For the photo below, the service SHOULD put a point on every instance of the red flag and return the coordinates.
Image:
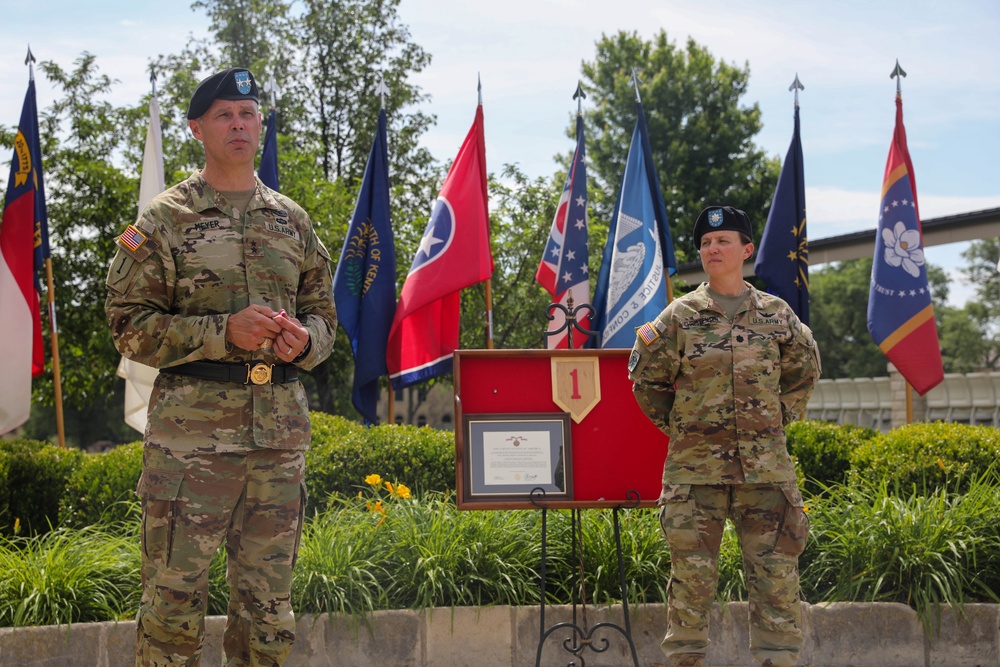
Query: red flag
(900, 313)
(454, 253)
(24, 246)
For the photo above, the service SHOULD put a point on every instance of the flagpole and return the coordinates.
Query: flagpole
(668, 283)
(50, 301)
(390, 418)
(489, 281)
(898, 73)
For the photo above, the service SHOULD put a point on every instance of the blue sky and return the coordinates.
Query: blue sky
(529, 52)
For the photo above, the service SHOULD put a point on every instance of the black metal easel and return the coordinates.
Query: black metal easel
(581, 636)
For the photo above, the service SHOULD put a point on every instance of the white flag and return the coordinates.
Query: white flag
(139, 377)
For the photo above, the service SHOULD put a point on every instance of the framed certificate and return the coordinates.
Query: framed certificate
(511, 456)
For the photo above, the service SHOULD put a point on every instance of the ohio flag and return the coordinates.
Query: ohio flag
(454, 253)
(563, 270)
(24, 247)
(900, 314)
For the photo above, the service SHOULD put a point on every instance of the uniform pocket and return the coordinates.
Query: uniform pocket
(158, 491)
(677, 518)
(794, 529)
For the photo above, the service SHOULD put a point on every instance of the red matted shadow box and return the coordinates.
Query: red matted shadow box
(579, 404)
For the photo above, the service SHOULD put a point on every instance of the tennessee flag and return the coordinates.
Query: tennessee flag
(454, 253)
(24, 247)
(900, 314)
(563, 270)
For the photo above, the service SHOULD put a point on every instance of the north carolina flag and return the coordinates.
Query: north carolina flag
(24, 247)
(139, 378)
(631, 287)
(454, 253)
(783, 258)
(900, 314)
(563, 270)
(268, 172)
(364, 287)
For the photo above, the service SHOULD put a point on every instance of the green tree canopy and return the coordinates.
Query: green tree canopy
(700, 134)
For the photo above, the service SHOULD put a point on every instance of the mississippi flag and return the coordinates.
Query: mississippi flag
(563, 270)
(900, 314)
(454, 253)
(24, 247)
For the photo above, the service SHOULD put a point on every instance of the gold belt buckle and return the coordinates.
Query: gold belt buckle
(259, 374)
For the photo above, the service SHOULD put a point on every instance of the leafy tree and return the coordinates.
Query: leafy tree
(981, 270)
(700, 135)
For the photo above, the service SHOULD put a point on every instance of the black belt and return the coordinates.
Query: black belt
(249, 373)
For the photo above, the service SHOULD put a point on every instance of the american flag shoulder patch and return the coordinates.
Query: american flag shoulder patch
(647, 334)
(132, 238)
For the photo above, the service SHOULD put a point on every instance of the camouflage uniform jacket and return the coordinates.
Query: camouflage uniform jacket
(169, 301)
(723, 390)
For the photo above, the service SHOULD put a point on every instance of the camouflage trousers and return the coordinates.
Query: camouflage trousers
(191, 502)
(772, 527)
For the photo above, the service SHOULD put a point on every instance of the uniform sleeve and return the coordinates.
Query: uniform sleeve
(653, 370)
(800, 369)
(314, 304)
(140, 286)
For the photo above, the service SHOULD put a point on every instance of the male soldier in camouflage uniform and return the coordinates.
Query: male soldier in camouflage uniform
(721, 371)
(224, 286)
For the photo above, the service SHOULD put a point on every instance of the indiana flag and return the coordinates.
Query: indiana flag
(268, 171)
(900, 314)
(364, 287)
(24, 247)
(563, 270)
(454, 253)
(783, 258)
(631, 287)
(139, 378)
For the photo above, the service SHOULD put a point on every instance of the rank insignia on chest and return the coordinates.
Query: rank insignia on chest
(253, 248)
(132, 238)
(647, 334)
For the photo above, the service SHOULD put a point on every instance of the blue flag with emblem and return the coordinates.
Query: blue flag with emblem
(268, 171)
(631, 286)
(783, 258)
(364, 287)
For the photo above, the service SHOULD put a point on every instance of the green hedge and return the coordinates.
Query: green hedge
(823, 450)
(102, 488)
(929, 456)
(34, 478)
(343, 453)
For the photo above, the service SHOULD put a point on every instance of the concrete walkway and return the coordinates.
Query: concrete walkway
(837, 635)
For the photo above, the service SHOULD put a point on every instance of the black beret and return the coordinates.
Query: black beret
(235, 83)
(718, 218)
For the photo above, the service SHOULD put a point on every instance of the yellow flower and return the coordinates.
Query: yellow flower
(373, 479)
(375, 506)
(940, 464)
(17, 526)
(805, 508)
(402, 491)
(388, 486)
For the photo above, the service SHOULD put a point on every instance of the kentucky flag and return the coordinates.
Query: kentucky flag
(454, 253)
(24, 247)
(268, 171)
(900, 314)
(631, 287)
(783, 258)
(563, 270)
(364, 287)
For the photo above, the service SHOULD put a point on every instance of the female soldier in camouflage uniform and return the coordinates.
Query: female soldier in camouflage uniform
(721, 371)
